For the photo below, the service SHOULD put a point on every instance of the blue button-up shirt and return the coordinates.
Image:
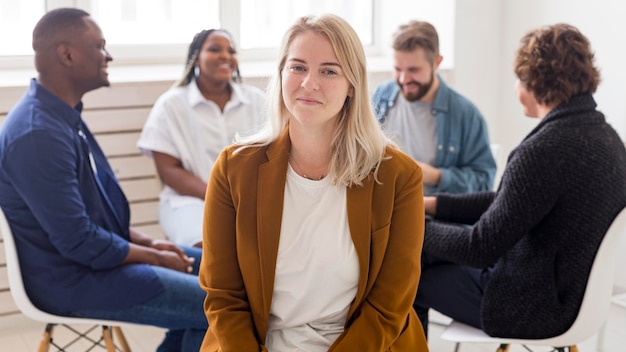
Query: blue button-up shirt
(463, 152)
(69, 217)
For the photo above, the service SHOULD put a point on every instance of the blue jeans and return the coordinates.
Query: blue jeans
(179, 308)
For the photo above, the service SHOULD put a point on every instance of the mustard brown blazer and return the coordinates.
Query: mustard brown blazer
(243, 211)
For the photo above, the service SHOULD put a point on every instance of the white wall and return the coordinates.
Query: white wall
(487, 35)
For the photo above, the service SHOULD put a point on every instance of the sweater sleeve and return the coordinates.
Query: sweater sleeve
(465, 208)
(530, 187)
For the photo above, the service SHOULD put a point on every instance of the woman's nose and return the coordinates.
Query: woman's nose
(310, 83)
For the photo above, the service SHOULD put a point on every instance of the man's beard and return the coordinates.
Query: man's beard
(423, 89)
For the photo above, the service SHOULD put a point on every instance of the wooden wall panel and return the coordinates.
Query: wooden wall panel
(119, 144)
(141, 189)
(133, 166)
(7, 305)
(116, 120)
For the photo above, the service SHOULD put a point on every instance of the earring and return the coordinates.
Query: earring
(196, 71)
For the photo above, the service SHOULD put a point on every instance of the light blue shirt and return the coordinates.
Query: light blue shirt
(463, 151)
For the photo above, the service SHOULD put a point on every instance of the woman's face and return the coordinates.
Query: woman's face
(314, 85)
(217, 59)
(527, 99)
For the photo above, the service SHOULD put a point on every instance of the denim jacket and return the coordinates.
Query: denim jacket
(463, 151)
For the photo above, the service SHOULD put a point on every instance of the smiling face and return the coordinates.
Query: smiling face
(89, 57)
(314, 86)
(217, 59)
(414, 73)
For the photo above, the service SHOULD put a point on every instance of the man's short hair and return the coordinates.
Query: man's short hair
(55, 22)
(416, 35)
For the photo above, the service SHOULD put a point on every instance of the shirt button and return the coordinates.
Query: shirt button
(440, 147)
(451, 149)
(434, 112)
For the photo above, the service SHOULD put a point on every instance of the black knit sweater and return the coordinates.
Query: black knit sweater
(562, 187)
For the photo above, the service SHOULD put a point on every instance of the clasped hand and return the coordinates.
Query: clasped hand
(173, 257)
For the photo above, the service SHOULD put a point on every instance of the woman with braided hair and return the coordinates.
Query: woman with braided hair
(191, 123)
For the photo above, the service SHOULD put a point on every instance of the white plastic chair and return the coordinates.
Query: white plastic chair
(29, 310)
(594, 309)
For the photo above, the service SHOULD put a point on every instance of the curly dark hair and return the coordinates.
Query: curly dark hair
(555, 63)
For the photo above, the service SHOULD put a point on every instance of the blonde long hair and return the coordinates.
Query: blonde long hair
(358, 146)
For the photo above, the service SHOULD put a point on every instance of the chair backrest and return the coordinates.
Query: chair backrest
(495, 151)
(18, 292)
(594, 309)
(596, 303)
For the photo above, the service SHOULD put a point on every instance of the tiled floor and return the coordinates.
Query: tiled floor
(24, 335)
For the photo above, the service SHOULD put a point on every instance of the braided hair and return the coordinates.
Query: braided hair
(193, 53)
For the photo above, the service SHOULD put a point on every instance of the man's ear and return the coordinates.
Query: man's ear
(65, 54)
(438, 62)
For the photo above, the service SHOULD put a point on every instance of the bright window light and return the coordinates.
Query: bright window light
(17, 20)
(128, 22)
(263, 22)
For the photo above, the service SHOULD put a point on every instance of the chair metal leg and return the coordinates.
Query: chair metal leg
(457, 347)
(44, 345)
(601, 336)
(119, 335)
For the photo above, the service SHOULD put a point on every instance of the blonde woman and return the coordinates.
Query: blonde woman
(313, 231)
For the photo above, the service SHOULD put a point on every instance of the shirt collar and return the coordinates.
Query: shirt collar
(194, 96)
(64, 111)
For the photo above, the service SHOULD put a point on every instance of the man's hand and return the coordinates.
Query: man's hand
(431, 175)
(176, 260)
(430, 205)
(164, 245)
(147, 250)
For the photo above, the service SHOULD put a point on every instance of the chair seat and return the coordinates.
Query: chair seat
(23, 303)
(620, 300)
(594, 308)
(458, 331)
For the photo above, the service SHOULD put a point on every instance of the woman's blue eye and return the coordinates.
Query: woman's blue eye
(297, 68)
(329, 72)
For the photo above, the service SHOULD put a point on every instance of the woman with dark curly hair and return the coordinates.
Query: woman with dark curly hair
(515, 262)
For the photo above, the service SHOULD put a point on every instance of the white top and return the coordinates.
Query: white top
(317, 268)
(412, 125)
(189, 127)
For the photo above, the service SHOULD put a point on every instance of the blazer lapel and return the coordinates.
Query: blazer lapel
(270, 198)
(359, 201)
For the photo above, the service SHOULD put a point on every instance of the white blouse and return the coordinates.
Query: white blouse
(194, 130)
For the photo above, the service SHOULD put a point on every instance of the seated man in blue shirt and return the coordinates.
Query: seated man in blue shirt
(78, 254)
(439, 128)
